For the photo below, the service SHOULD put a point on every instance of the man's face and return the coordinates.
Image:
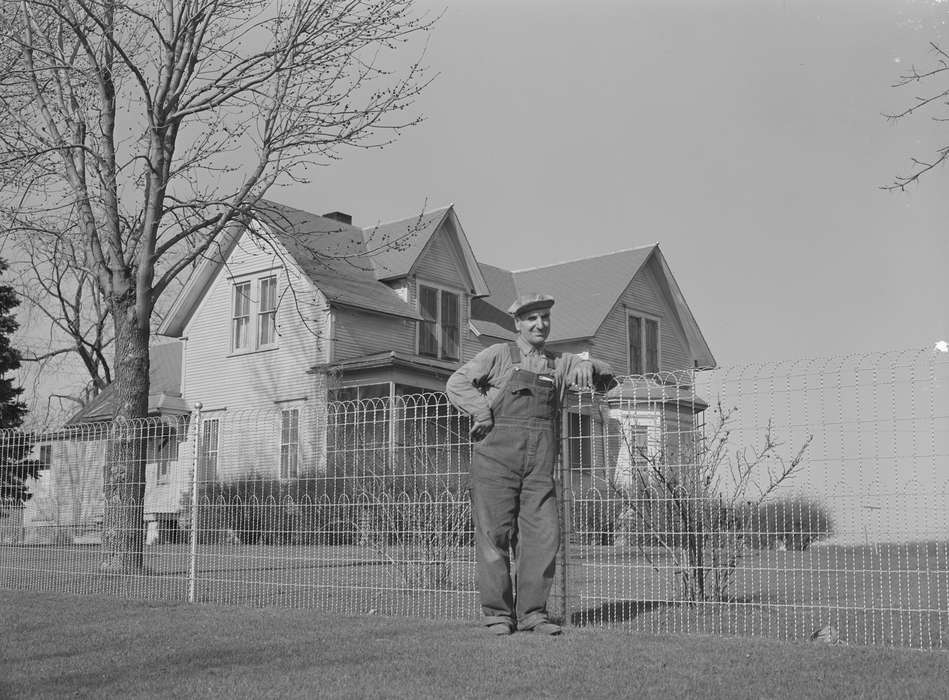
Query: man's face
(534, 327)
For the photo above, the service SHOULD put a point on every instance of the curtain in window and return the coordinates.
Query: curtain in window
(652, 346)
(241, 322)
(635, 331)
(207, 463)
(428, 326)
(451, 330)
(267, 312)
(289, 443)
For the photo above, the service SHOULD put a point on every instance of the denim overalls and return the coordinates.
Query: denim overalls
(514, 501)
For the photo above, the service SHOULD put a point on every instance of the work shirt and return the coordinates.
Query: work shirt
(475, 386)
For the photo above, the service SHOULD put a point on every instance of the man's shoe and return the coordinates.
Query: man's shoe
(500, 629)
(548, 628)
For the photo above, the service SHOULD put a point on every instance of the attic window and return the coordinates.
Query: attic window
(241, 319)
(439, 331)
(254, 314)
(643, 337)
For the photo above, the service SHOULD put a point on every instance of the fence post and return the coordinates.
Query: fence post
(193, 563)
(566, 517)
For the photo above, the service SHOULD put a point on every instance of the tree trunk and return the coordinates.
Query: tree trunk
(123, 536)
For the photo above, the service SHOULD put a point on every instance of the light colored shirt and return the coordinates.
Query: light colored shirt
(474, 387)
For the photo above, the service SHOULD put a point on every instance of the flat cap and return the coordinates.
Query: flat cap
(530, 302)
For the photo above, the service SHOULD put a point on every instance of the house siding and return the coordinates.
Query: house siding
(441, 261)
(257, 379)
(643, 296)
(358, 333)
(69, 493)
(246, 390)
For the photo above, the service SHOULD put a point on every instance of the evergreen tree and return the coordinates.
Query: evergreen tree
(11, 410)
(15, 446)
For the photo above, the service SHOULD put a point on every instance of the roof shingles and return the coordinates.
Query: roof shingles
(585, 291)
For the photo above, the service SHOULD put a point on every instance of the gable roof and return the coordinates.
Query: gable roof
(332, 254)
(164, 388)
(488, 315)
(586, 290)
(396, 247)
(399, 243)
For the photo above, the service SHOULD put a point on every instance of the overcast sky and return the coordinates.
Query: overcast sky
(746, 137)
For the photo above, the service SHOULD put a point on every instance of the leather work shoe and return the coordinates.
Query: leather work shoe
(500, 629)
(548, 628)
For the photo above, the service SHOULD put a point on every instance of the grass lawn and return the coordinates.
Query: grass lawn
(57, 645)
(890, 595)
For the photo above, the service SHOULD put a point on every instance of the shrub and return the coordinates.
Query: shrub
(596, 517)
(259, 510)
(794, 523)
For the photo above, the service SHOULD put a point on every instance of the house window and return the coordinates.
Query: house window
(638, 438)
(254, 317)
(162, 449)
(208, 456)
(643, 336)
(289, 443)
(439, 331)
(267, 312)
(360, 419)
(46, 456)
(241, 320)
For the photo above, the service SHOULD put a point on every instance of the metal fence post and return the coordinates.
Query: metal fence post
(566, 517)
(193, 563)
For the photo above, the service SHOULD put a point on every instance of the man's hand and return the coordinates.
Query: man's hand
(582, 375)
(480, 428)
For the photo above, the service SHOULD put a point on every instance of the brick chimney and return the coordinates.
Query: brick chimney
(340, 217)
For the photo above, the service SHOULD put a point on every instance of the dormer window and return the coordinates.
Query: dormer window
(439, 331)
(254, 315)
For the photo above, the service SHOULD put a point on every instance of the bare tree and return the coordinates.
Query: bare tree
(703, 512)
(140, 131)
(934, 100)
(56, 284)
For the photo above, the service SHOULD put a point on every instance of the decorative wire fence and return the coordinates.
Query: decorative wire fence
(779, 499)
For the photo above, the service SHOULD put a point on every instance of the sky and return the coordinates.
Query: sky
(746, 137)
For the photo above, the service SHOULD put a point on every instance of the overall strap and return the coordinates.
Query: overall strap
(515, 354)
(550, 362)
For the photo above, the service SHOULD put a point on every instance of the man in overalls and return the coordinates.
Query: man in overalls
(513, 393)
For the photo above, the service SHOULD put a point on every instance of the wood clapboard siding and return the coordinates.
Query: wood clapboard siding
(358, 333)
(166, 497)
(220, 378)
(247, 390)
(70, 493)
(642, 295)
(441, 261)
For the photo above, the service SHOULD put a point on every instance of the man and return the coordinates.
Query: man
(513, 393)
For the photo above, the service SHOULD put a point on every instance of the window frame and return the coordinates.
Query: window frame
(440, 328)
(289, 443)
(256, 314)
(209, 426)
(266, 313)
(162, 450)
(237, 317)
(644, 321)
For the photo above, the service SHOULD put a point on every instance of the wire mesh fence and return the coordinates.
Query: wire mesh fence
(779, 499)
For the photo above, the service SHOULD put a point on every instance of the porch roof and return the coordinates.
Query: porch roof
(389, 366)
(644, 390)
